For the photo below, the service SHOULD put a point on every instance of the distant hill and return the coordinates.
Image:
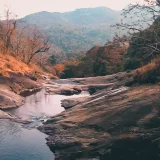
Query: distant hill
(77, 31)
(84, 16)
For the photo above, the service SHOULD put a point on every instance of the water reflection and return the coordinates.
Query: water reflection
(41, 105)
(25, 142)
(18, 143)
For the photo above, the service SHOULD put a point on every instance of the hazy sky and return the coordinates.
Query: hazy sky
(25, 7)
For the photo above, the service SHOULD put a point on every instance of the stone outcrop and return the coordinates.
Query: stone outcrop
(119, 123)
(9, 99)
(14, 87)
(4, 115)
(28, 92)
(69, 103)
(64, 90)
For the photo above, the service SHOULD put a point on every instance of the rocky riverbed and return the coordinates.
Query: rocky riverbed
(19, 137)
(12, 90)
(115, 122)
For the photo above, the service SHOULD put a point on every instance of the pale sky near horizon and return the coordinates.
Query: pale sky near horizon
(25, 7)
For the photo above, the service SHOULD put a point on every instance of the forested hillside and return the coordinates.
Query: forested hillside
(73, 33)
(139, 49)
(98, 61)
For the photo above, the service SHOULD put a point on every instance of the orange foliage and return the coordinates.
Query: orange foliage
(149, 72)
(58, 69)
(9, 64)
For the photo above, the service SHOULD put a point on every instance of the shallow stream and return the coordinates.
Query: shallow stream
(24, 141)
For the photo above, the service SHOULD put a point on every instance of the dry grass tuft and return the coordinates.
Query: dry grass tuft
(149, 73)
(36, 68)
(9, 64)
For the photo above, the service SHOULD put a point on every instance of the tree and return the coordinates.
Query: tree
(37, 43)
(52, 60)
(7, 29)
(42, 60)
(143, 30)
(23, 42)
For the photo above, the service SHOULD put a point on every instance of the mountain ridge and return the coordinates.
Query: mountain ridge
(69, 16)
(77, 31)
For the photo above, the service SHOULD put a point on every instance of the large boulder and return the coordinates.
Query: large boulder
(121, 123)
(69, 103)
(9, 99)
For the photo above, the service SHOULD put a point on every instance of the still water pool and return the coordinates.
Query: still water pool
(24, 141)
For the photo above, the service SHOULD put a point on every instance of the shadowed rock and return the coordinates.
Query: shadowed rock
(28, 92)
(64, 90)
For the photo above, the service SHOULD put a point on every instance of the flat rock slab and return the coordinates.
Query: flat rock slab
(64, 90)
(69, 103)
(121, 123)
(92, 88)
(9, 99)
(119, 79)
(5, 115)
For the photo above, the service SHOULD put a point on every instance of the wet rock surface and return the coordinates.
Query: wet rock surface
(14, 87)
(9, 99)
(4, 115)
(117, 123)
(28, 92)
(64, 90)
(69, 103)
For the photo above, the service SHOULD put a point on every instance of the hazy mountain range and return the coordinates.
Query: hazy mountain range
(75, 32)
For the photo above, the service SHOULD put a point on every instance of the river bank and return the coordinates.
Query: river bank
(12, 87)
(117, 122)
(19, 137)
